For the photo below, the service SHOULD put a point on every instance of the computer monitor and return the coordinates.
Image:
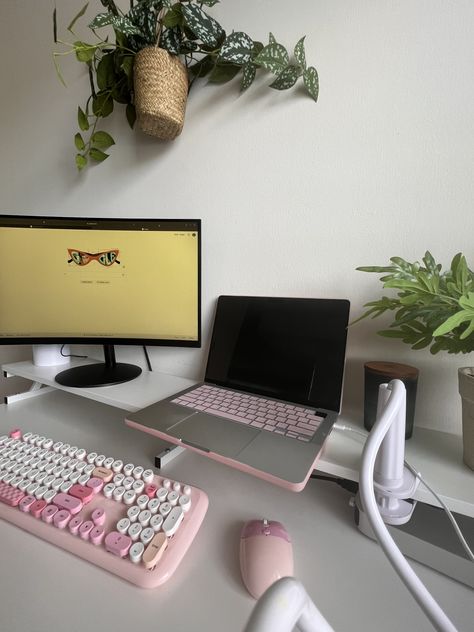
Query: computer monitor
(100, 281)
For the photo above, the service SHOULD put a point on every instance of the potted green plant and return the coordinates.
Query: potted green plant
(151, 55)
(433, 308)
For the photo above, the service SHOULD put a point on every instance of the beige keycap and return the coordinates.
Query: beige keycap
(155, 550)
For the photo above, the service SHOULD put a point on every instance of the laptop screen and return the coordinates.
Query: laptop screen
(287, 348)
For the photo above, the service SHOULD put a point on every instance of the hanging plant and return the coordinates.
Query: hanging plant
(160, 40)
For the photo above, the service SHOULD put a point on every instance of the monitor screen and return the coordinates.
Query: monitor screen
(100, 281)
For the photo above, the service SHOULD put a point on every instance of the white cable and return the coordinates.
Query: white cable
(452, 519)
(462, 540)
(366, 490)
(283, 606)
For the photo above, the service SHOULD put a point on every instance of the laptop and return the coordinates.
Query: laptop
(272, 388)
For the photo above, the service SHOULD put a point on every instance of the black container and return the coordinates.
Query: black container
(376, 373)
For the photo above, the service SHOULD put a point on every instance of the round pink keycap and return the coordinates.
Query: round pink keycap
(85, 529)
(37, 507)
(74, 524)
(61, 519)
(26, 502)
(48, 513)
(95, 484)
(98, 516)
(15, 434)
(97, 535)
(150, 490)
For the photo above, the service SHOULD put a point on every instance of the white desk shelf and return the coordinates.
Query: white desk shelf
(437, 455)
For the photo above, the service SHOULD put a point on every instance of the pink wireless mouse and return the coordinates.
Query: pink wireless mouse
(266, 555)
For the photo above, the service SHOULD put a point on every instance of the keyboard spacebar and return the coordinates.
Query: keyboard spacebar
(222, 413)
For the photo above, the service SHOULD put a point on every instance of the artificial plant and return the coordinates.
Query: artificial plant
(182, 28)
(432, 306)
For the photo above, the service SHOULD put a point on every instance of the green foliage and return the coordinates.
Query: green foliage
(182, 28)
(433, 308)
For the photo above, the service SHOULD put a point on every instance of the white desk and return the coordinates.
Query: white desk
(44, 588)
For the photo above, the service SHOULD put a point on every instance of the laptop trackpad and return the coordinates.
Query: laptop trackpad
(212, 434)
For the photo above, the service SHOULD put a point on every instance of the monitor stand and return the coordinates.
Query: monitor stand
(101, 374)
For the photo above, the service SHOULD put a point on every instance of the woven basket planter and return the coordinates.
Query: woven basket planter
(161, 92)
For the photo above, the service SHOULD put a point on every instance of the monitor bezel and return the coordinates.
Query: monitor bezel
(48, 221)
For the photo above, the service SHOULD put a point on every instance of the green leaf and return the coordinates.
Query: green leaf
(81, 161)
(237, 48)
(103, 104)
(311, 82)
(105, 73)
(248, 75)
(102, 140)
(55, 26)
(201, 24)
(286, 79)
(85, 52)
(58, 70)
(127, 65)
(82, 120)
(273, 57)
(120, 23)
(131, 114)
(174, 17)
(453, 321)
(257, 48)
(271, 39)
(209, 3)
(98, 155)
(203, 67)
(79, 15)
(170, 40)
(376, 269)
(467, 302)
(300, 55)
(222, 73)
(79, 142)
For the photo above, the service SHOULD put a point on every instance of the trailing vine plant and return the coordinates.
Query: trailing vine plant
(182, 28)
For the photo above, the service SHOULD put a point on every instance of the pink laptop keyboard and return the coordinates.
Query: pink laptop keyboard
(269, 414)
(121, 517)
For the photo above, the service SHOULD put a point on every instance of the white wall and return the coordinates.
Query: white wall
(293, 195)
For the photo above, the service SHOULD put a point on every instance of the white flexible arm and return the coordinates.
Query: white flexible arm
(366, 490)
(285, 605)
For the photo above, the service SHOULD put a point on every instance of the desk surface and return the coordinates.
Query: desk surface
(44, 588)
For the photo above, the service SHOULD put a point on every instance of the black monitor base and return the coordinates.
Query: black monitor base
(101, 374)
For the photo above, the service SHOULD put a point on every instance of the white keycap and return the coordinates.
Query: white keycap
(30, 489)
(90, 467)
(40, 441)
(81, 466)
(42, 453)
(75, 476)
(41, 491)
(123, 525)
(16, 481)
(118, 479)
(35, 462)
(108, 490)
(161, 494)
(23, 486)
(72, 451)
(48, 444)
(147, 535)
(144, 517)
(156, 522)
(17, 468)
(133, 512)
(128, 482)
(32, 474)
(176, 486)
(72, 464)
(67, 473)
(26, 437)
(49, 456)
(56, 484)
(65, 460)
(148, 476)
(56, 458)
(128, 469)
(83, 479)
(142, 501)
(65, 487)
(129, 497)
(91, 457)
(166, 483)
(172, 522)
(99, 460)
(48, 481)
(185, 502)
(153, 505)
(108, 462)
(58, 470)
(57, 446)
(134, 531)
(136, 551)
(3, 474)
(49, 495)
(138, 486)
(64, 448)
(137, 472)
(39, 478)
(164, 509)
(42, 465)
(118, 493)
(173, 498)
(49, 468)
(80, 454)
(32, 439)
(117, 466)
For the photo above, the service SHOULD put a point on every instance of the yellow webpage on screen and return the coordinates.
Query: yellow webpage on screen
(107, 283)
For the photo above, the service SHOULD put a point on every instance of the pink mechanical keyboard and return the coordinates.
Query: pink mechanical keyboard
(276, 416)
(121, 517)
